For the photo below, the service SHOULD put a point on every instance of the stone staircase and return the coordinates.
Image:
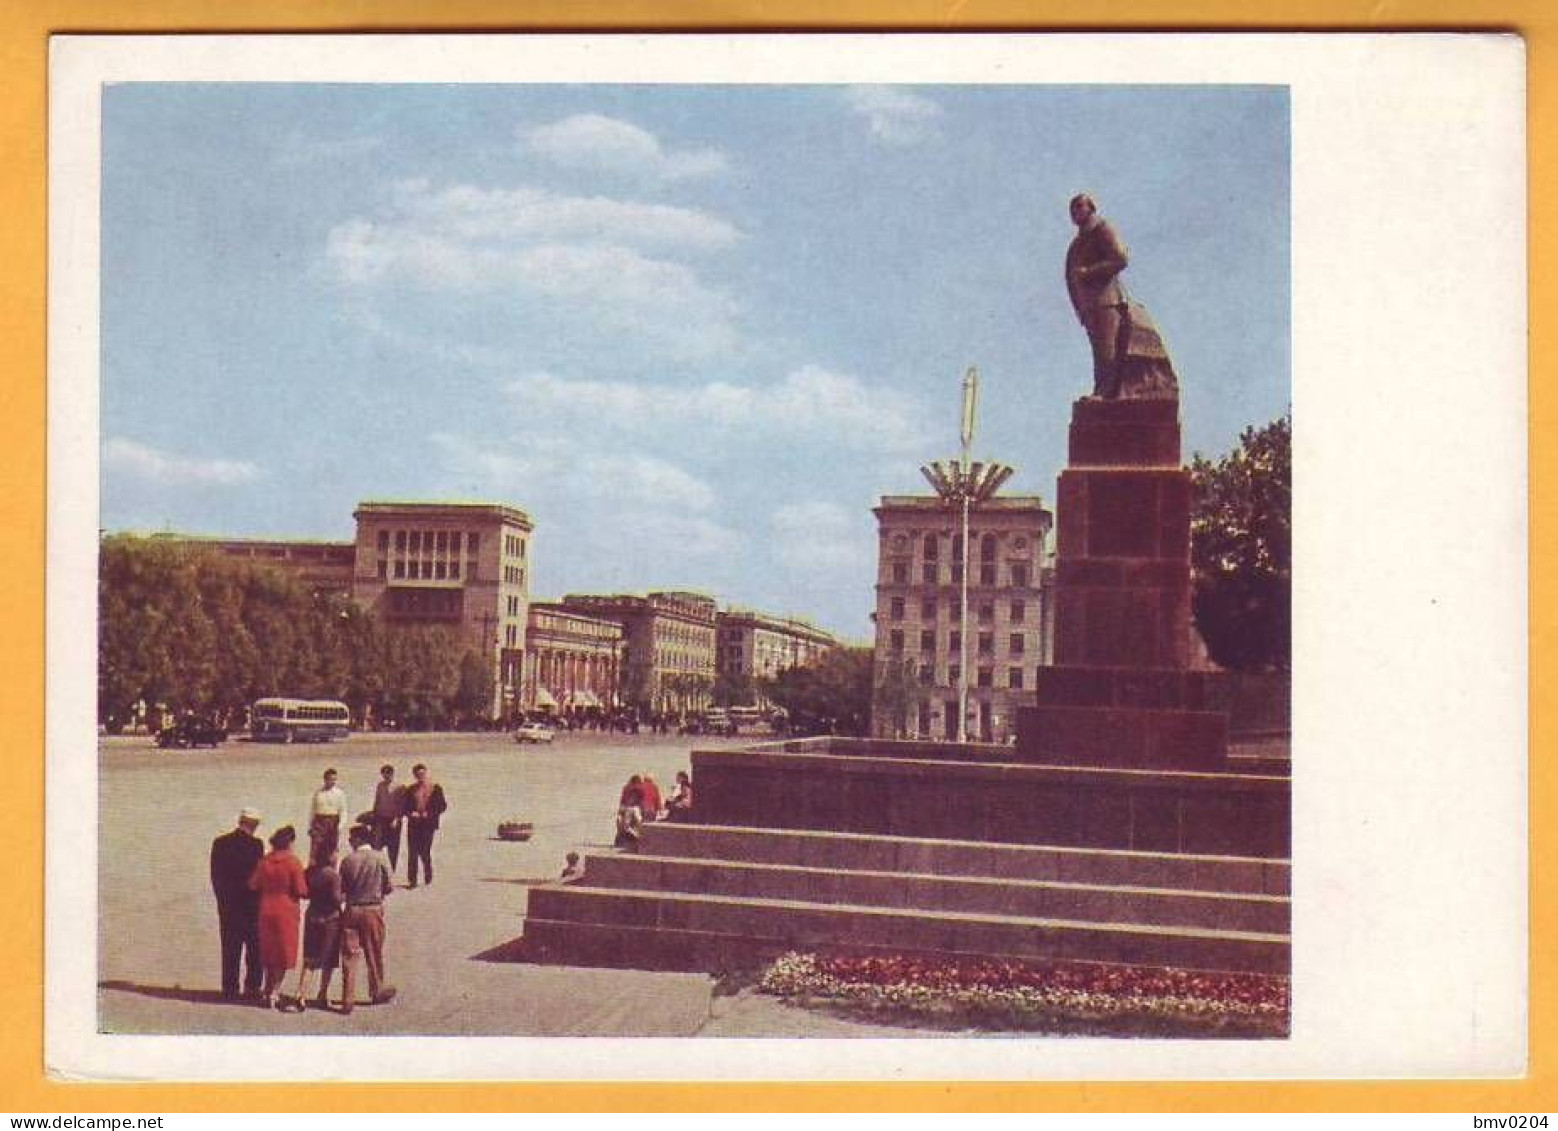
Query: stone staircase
(709, 897)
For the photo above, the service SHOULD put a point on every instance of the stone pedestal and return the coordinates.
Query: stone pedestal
(1120, 693)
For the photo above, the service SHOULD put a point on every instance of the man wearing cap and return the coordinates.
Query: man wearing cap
(365, 882)
(324, 821)
(233, 857)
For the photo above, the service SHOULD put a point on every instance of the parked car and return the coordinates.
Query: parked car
(533, 732)
(186, 734)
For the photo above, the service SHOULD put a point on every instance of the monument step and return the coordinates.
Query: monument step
(945, 857)
(769, 924)
(972, 894)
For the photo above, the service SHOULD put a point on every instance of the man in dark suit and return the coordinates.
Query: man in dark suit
(1093, 265)
(425, 804)
(233, 857)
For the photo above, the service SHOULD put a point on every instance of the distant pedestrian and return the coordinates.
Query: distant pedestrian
(324, 822)
(233, 857)
(365, 884)
(278, 878)
(425, 806)
(573, 869)
(389, 808)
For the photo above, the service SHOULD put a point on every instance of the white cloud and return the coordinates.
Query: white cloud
(894, 115)
(605, 261)
(821, 536)
(545, 466)
(129, 458)
(598, 143)
(809, 401)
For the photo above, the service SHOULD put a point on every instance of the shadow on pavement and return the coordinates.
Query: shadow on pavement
(177, 993)
(527, 881)
(511, 951)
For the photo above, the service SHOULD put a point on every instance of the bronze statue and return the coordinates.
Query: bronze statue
(1129, 357)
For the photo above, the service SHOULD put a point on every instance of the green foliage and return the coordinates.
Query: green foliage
(895, 694)
(196, 630)
(1241, 539)
(832, 693)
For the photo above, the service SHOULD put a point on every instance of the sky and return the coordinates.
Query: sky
(695, 332)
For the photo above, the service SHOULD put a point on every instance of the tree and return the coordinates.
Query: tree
(831, 694)
(473, 697)
(1242, 548)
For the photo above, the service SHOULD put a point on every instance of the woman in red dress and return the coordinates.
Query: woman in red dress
(278, 877)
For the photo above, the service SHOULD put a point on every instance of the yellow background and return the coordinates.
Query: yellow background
(24, 31)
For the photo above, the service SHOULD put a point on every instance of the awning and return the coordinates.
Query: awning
(544, 697)
(584, 698)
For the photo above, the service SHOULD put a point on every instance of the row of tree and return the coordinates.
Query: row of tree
(194, 630)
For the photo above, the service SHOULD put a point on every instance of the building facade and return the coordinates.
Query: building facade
(459, 565)
(754, 646)
(919, 634)
(324, 567)
(573, 662)
(669, 646)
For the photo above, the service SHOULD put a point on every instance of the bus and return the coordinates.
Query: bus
(299, 720)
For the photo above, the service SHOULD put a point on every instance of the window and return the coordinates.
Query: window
(438, 570)
(927, 674)
(1019, 574)
(441, 541)
(400, 541)
(987, 573)
(954, 673)
(955, 610)
(384, 541)
(1014, 678)
(986, 677)
(416, 541)
(900, 573)
(1016, 643)
(987, 613)
(896, 640)
(1019, 611)
(454, 569)
(928, 609)
(987, 643)
(955, 643)
(987, 548)
(383, 569)
(957, 572)
(896, 609)
(472, 542)
(928, 573)
(928, 640)
(400, 568)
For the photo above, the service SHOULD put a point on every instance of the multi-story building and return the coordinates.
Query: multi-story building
(669, 646)
(754, 646)
(461, 565)
(572, 661)
(919, 634)
(325, 567)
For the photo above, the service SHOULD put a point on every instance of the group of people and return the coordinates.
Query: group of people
(259, 894)
(641, 802)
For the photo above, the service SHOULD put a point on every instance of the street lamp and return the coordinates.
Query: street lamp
(964, 484)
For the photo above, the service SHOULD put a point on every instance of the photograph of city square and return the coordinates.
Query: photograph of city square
(619, 560)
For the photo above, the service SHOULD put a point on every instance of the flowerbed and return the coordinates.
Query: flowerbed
(1057, 996)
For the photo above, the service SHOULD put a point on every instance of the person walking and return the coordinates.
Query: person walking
(389, 809)
(365, 884)
(425, 805)
(278, 878)
(233, 857)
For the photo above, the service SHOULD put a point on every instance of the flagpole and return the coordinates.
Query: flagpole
(970, 401)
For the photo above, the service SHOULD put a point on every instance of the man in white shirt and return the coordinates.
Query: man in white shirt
(324, 822)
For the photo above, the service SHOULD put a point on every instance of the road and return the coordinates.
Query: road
(158, 958)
